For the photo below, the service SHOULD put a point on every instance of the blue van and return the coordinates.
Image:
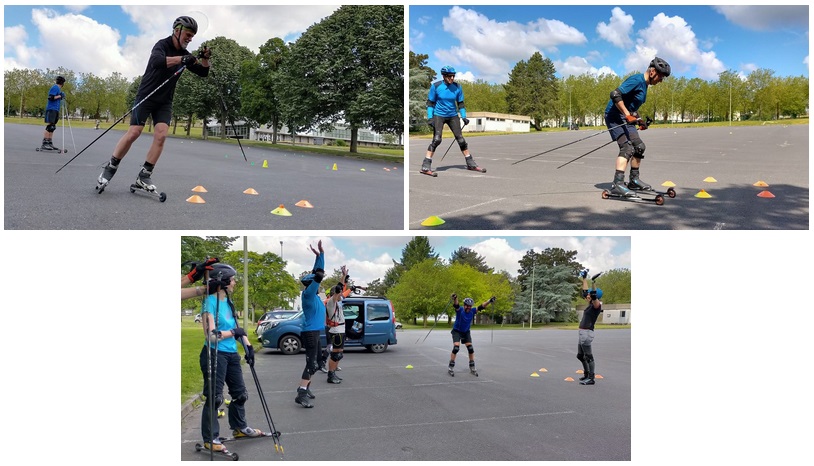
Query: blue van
(370, 322)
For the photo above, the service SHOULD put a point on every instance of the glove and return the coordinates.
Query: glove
(62, 95)
(239, 333)
(198, 269)
(454, 296)
(466, 121)
(205, 53)
(492, 299)
(596, 276)
(188, 60)
(250, 355)
(430, 123)
(633, 119)
(584, 274)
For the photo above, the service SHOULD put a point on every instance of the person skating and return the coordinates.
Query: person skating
(586, 328)
(220, 355)
(313, 312)
(622, 119)
(166, 58)
(445, 100)
(464, 315)
(52, 108)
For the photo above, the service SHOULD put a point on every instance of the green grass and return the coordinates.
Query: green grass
(394, 155)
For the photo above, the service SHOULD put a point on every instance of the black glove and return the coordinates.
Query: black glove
(188, 60)
(239, 333)
(250, 355)
(593, 295)
(204, 53)
(454, 296)
(466, 121)
(430, 123)
(583, 274)
(198, 269)
(492, 299)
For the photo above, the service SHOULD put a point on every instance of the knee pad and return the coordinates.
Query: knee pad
(50, 128)
(581, 357)
(337, 356)
(638, 149)
(436, 141)
(455, 349)
(462, 143)
(626, 150)
(241, 399)
(589, 357)
(218, 400)
(470, 349)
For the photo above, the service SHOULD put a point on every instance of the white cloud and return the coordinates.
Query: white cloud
(576, 66)
(617, 31)
(766, 17)
(489, 46)
(671, 38)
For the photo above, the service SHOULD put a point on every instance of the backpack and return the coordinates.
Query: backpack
(329, 321)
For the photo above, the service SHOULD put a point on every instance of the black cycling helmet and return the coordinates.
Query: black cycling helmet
(661, 66)
(221, 274)
(60, 80)
(186, 22)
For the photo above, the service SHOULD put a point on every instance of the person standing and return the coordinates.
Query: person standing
(167, 57)
(196, 272)
(220, 361)
(313, 312)
(622, 119)
(586, 328)
(464, 315)
(335, 323)
(445, 100)
(52, 108)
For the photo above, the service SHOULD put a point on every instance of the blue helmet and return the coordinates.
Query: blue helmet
(448, 70)
(599, 293)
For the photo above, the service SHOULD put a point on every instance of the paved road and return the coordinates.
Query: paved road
(343, 199)
(385, 412)
(535, 194)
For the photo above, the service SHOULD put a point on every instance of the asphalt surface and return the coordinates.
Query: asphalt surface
(536, 194)
(383, 411)
(344, 199)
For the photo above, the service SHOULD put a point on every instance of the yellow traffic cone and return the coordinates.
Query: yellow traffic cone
(282, 211)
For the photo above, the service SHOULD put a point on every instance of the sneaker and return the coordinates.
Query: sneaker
(323, 369)
(302, 398)
(332, 378)
(309, 394)
(214, 446)
(247, 432)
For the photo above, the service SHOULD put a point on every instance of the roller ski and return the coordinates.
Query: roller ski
(145, 184)
(451, 371)
(218, 450)
(48, 146)
(105, 177)
(623, 192)
(252, 433)
(426, 168)
(472, 370)
(471, 165)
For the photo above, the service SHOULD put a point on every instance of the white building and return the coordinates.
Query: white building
(489, 121)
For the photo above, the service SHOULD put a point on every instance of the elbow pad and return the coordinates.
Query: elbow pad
(319, 274)
(51, 97)
(616, 95)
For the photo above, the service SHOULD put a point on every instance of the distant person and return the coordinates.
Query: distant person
(445, 100)
(464, 315)
(166, 58)
(622, 119)
(52, 108)
(313, 312)
(335, 323)
(219, 354)
(586, 328)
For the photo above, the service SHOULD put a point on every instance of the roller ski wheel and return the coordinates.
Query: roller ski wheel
(451, 372)
(231, 455)
(134, 187)
(429, 173)
(100, 187)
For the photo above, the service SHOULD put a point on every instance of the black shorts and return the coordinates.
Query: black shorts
(52, 116)
(337, 340)
(160, 111)
(463, 337)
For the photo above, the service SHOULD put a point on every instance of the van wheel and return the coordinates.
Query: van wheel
(290, 344)
(377, 348)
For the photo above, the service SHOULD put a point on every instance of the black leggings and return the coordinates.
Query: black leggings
(310, 341)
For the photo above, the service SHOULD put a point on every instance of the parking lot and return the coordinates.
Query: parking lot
(402, 404)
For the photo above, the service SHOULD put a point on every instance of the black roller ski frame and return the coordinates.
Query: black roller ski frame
(231, 455)
(234, 439)
(671, 193)
(57, 150)
(476, 169)
(134, 187)
(658, 199)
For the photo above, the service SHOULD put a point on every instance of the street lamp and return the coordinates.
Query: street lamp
(531, 309)
(281, 250)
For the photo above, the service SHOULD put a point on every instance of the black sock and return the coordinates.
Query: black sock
(148, 167)
(114, 161)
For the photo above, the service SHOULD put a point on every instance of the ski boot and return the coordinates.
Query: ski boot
(105, 177)
(145, 184)
(332, 378)
(471, 165)
(584, 375)
(472, 369)
(451, 369)
(302, 398)
(323, 369)
(620, 190)
(247, 432)
(426, 168)
(308, 393)
(589, 379)
(216, 447)
(636, 184)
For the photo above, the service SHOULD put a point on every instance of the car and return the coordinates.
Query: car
(370, 322)
(271, 316)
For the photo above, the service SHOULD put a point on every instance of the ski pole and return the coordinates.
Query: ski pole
(278, 447)
(69, 128)
(583, 155)
(450, 143)
(210, 399)
(226, 113)
(574, 142)
(436, 321)
(178, 72)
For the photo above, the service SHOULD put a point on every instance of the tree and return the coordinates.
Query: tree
(466, 256)
(615, 285)
(260, 85)
(196, 249)
(270, 286)
(484, 97)
(532, 89)
(546, 294)
(418, 96)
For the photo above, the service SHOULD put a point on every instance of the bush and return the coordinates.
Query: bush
(341, 143)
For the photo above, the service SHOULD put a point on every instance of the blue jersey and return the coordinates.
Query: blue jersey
(226, 321)
(463, 319)
(634, 94)
(445, 100)
(313, 309)
(54, 104)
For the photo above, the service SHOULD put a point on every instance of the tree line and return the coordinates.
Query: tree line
(533, 89)
(348, 67)
(546, 287)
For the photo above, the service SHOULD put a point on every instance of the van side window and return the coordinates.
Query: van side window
(351, 311)
(376, 311)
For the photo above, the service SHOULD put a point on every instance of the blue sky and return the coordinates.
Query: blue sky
(101, 39)
(369, 257)
(485, 42)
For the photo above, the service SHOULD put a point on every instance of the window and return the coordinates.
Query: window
(351, 311)
(622, 313)
(378, 311)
